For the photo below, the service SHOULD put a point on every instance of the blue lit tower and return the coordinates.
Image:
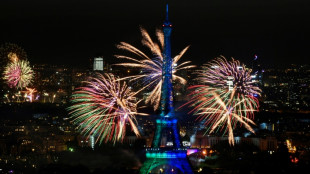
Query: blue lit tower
(167, 155)
(166, 93)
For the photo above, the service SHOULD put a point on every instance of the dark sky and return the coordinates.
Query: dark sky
(72, 31)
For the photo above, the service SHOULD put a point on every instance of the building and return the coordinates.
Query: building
(98, 64)
(167, 152)
(264, 144)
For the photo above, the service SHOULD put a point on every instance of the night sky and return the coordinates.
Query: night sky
(72, 31)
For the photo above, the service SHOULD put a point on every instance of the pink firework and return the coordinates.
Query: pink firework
(18, 74)
(12, 75)
(225, 96)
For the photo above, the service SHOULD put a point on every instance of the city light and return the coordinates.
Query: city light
(165, 154)
(71, 149)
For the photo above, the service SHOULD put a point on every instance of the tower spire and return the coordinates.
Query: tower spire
(167, 23)
(167, 109)
(167, 12)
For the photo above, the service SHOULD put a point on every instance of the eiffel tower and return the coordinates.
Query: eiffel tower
(167, 155)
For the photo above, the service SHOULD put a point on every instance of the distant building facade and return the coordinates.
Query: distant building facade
(264, 144)
(98, 64)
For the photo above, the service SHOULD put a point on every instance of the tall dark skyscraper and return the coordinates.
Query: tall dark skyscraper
(167, 155)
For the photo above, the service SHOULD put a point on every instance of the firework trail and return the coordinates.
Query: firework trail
(103, 108)
(151, 67)
(18, 74)
(225, 96)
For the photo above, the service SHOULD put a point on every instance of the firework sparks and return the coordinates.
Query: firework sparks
(103, 107)
(13, 57)
(225, 96)
(29, 93)
(151, 67)
(18, 74)
(10, 52)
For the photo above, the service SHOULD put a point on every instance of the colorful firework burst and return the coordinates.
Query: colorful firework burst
(103, 107)
(18, 74)
(151, 67)
(225, 97)
(11, 52)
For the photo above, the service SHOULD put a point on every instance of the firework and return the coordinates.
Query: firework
(13, 57)
(225, 97)
(29, 93)
(151, 67)
(103, 108)
(10, 52)
(18, 74)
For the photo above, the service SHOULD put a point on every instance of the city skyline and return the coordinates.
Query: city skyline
(71, 32)
(68, 108)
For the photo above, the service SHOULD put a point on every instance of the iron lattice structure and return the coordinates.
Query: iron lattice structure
(167, 151)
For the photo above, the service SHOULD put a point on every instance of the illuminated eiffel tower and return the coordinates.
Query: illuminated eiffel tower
(167, 155)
